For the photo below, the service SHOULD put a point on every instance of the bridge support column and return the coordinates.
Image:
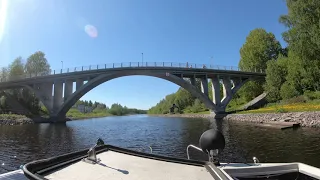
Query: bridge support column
(204, 86)
(79, 83)
(68, 88)
(57, 96)
(193, 81)
(216, 91)
(237, 84)
(227, 93)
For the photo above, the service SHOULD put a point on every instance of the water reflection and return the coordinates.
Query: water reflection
(21, 143)
(166, 136)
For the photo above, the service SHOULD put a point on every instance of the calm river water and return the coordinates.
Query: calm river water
(166, 136)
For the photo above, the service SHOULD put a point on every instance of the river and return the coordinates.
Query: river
(166, 136)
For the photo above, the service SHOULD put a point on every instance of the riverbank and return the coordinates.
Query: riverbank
(306, 119)
(286, 107)
(191, 115)
(14, 119)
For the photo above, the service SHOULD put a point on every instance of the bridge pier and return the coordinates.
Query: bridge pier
(57, 119)
(57, 96)
(218, 115)
(79, 83)
(204, 86)
(216, 98)
(68, 89)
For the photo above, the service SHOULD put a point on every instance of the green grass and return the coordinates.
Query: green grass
(204, 112)
(76, 114)
(12, 116)
(313, 105)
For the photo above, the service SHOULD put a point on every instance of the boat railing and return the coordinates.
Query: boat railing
(193, 146)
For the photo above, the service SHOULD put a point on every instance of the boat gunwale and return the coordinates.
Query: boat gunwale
(36, 169)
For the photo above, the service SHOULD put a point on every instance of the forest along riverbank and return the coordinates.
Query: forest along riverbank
(73, 114)
(306, 119)
(14, 119)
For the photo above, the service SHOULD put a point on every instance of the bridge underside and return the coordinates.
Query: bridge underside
(60, 95)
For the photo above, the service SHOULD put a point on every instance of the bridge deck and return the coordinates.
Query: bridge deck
(183, 72)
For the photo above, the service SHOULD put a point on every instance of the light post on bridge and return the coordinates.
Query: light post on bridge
(142, 58)
(62, 64)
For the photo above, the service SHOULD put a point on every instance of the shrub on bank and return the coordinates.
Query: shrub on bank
(280, 110)
(74, 113)
(312, 95)
(295, 100)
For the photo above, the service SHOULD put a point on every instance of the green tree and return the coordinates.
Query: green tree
(79, 102)
(90, 103)
(259, 48)
(198, 106)
(3, 74)
(16, 68)
(183, 98)
(119, 110)
(15, 71)
(37, 64)
(275, 76)
(288, 91)
(3, 103)
(95, 104)
(303, 38)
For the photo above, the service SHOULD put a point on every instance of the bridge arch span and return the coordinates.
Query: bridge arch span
(96, 81)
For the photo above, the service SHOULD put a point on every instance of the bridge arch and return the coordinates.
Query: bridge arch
(91, 84)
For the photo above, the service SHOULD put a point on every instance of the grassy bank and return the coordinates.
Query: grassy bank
(204, 112)
(286, 107)
(297, 104)
(75, 114)
(12, 116)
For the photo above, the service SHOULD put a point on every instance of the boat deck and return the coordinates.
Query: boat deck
(114, 165)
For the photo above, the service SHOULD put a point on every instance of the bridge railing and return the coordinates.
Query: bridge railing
(131, 65)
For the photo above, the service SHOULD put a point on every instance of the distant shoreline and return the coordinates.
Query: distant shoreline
(306, 119)
(184, 115)
(14, 119)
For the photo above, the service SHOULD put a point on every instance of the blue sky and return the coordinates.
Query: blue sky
(164, 30)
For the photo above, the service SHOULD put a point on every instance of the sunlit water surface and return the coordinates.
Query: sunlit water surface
(166, 136)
